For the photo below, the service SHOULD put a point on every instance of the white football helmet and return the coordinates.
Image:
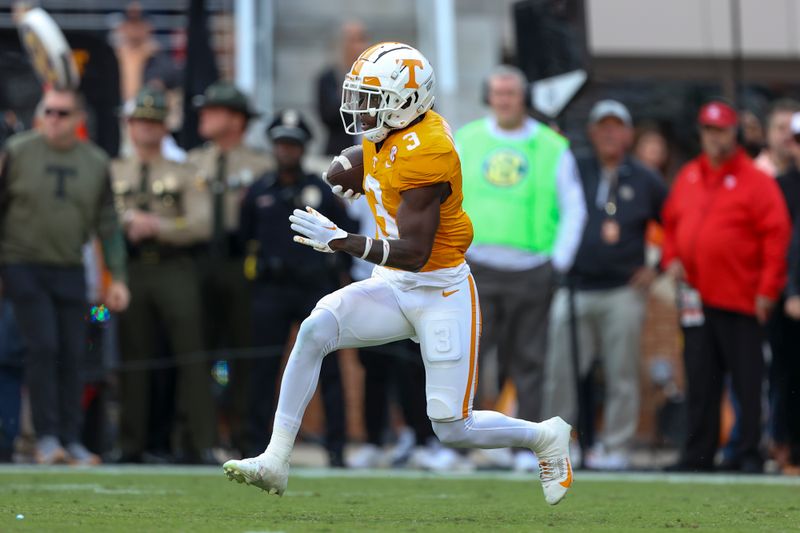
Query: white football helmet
(391, 82)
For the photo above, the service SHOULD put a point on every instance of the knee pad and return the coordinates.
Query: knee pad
(319, 332)
(442, 404)
(453, 433)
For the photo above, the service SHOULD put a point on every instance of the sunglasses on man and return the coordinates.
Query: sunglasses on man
(60, 113)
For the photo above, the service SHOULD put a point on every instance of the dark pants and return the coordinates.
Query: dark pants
(515, 308)
(784, 336)
(227, 328)
(395, 366)
(275, 308)
(163, 380)
(96, 432)
(12, 351)
(50, 306)
(10, 403)
(727, 343)
(165, 299)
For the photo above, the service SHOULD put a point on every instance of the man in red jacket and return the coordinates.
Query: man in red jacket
(726, 234)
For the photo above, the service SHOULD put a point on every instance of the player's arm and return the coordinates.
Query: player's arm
(417, 222)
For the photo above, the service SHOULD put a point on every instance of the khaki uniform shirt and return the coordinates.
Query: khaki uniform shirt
(175, 194)
(243, 166)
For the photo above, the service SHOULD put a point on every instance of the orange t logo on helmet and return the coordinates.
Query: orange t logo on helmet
(412, 73)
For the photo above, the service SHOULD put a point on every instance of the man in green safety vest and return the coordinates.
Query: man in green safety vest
(523, 193)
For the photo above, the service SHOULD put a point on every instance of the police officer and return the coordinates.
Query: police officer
(164, 213)
(228, 168)
(288, 279)
(54, 194)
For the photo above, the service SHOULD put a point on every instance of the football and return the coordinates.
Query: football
(347, 169)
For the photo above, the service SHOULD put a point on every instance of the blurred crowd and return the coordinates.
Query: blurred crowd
(148, 300)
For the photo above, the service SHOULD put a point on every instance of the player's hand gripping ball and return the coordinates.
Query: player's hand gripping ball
(345, 175)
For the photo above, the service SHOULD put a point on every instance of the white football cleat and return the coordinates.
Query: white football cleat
(265, 472)
(555, 469)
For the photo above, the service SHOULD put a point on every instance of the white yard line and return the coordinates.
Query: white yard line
(326, 473)
(89, 487)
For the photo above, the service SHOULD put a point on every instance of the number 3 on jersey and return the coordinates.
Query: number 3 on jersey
(413, 140)
(387, 225)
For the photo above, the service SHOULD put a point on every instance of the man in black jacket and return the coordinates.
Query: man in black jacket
(288, 280)
(784, 328)
(610, 278)
(792, 383)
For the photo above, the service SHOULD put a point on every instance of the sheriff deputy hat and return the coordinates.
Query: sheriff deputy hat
(225, 94)
(150, 104)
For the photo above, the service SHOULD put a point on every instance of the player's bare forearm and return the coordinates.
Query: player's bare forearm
(417, 222)
(403, 254)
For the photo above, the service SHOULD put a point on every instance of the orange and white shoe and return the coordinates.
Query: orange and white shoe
(265, 471)
(555, 468)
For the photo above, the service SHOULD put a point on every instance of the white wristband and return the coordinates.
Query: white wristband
(367, 248)
(385, 252)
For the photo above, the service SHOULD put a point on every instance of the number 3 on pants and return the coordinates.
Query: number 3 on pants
(442, 341)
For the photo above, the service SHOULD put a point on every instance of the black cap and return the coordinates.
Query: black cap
(288, 125)
(225, 94)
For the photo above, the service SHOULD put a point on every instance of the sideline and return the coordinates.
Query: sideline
(329, 473)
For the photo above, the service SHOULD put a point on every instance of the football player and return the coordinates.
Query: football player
(421, 289)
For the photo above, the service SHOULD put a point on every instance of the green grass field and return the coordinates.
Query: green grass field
(170, 499)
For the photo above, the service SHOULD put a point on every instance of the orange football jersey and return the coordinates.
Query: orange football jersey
(418, 156)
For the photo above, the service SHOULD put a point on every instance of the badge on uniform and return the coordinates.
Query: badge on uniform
(311, 196)
(120, 187)
(627, 193)
(170, 183)
(246, 177)
(609, 231)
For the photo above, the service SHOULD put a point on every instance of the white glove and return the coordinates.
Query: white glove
(317, 229)
(348, 194)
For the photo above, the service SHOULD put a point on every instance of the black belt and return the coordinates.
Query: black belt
(153, 253)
